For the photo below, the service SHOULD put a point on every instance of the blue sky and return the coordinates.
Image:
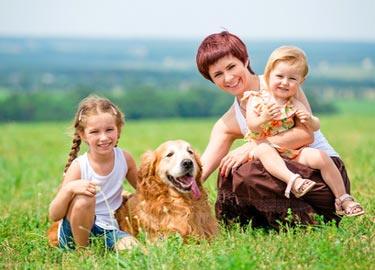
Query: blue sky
(261, 19)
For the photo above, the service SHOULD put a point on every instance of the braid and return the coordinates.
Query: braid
(74, 150)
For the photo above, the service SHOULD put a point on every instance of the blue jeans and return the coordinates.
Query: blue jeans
(110, 237)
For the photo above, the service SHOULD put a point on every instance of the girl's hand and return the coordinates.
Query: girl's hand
(303, 116)
(273, 110)
(82, 187)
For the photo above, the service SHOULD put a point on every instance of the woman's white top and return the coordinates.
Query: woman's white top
(108, 197)
(320, 142)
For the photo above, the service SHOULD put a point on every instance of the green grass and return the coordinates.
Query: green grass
(32, 158)
(356, 107)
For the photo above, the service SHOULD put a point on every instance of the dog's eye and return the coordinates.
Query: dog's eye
(169, 154)
(190, 151)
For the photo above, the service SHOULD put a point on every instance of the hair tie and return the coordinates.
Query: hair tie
(114, 110)
(80, 115)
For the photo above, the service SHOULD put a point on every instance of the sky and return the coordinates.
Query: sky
(348, 20)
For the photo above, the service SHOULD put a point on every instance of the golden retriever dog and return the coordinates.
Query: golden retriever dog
(52, 234)
(170, 197)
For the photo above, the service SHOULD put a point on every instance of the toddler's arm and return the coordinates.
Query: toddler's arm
(255, 120)
(308, 119)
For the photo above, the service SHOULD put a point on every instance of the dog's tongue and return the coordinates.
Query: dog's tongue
(187, 180)
(195, 189)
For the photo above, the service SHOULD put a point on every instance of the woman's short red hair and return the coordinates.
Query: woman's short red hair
(217, 46)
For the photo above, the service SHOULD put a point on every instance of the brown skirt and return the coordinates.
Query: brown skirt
(251, 194)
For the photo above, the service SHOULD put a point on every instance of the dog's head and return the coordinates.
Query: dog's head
(176, 164)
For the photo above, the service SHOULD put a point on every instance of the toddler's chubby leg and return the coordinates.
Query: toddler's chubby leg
(273, 162)
(275, 165)
(318, 159)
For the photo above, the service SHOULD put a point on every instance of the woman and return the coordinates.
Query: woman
(246, 191)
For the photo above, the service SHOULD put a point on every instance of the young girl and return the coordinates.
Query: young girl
(92, 185)
(274, 111)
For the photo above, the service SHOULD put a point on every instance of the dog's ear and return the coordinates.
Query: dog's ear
(147, 167)
(199, 165)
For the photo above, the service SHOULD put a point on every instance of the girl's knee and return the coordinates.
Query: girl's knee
(83, 203)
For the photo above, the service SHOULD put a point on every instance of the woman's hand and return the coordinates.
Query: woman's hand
(234, 159)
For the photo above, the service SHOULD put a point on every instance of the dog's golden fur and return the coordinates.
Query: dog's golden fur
(170, 197)
(52, 234)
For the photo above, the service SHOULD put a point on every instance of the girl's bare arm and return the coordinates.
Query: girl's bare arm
(72, 185)
(131, 176)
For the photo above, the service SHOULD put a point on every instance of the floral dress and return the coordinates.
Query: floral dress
(258, 101)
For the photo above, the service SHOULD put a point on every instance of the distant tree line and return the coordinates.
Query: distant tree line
(139, 103)
(156, 78)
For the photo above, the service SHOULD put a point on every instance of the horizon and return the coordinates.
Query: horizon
(189, 39)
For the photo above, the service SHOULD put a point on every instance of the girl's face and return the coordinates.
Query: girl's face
(230, 75)
(101, 133)
(285, 80)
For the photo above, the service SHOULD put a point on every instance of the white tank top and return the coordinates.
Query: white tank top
(109, 198)
(320, 142)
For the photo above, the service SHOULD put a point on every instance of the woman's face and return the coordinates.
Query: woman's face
(230, 75)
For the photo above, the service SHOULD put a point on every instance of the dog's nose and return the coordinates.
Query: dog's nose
(187, 163)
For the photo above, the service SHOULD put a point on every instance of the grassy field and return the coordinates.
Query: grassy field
(32, 157)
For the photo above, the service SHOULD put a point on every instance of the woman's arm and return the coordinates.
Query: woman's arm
(223, 134)
(302, 97)
(293, 138)
(218, 146)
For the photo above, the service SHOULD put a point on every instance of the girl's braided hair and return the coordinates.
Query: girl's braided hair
(91, 105)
